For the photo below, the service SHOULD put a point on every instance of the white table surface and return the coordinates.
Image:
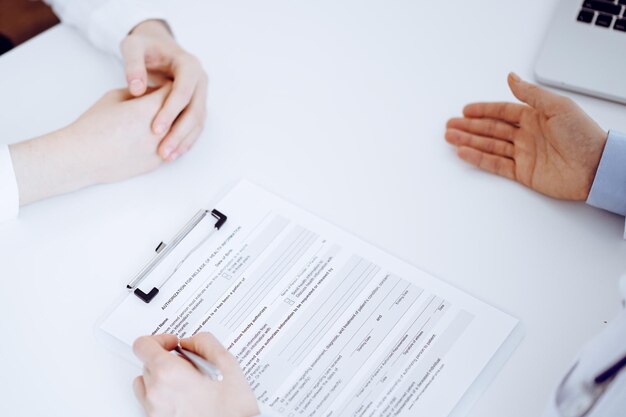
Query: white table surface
(340, 108)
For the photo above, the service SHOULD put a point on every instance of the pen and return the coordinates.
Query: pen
(200, 363)
(610, 372)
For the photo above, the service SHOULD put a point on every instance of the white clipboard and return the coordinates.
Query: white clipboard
(183, 244)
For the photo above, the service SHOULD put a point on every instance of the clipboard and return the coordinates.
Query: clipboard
(162, 252)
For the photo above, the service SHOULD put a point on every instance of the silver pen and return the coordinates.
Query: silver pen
(200, 363)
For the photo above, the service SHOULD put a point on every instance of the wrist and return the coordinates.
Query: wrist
(48, 165)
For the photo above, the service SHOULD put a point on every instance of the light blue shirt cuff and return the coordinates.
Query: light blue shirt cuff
(608, 191)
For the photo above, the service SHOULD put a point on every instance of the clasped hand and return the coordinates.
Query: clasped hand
(127, 132)
(151, 50)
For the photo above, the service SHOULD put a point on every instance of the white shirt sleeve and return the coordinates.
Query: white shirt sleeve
(9, 197)
(105, 22)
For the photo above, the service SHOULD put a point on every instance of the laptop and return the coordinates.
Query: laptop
(585, 49)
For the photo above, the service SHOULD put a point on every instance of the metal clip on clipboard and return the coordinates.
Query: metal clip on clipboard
(163, 250)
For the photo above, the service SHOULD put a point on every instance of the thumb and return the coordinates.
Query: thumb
(207, 346)
(533, 95)
(133, 52)
(150, 348)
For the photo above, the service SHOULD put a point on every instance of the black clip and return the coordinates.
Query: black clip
(221, 218)
(146, 298)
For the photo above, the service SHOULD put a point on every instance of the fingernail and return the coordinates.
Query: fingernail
(160, 128)
(173, 156)
(167, 151)
(136, 86)
(515, 77)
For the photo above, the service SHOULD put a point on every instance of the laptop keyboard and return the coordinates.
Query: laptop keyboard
(604, 13)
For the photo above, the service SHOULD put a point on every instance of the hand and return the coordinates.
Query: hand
(171, 386)
(150, 48)
(109, 142)
(549, 145)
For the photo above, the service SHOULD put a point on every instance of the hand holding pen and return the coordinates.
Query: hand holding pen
(203, 379)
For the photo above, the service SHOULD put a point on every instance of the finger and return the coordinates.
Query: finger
(186, 77)
(157, 97)
(484, 127)
(186, 144)
(139, 387)
(535, 96)
(151, 348)
(189, 141)
(169, 147)
(207, 346)
(498, 165)
(133, 52)
(481, 143)
(507, 112)
(185, 131)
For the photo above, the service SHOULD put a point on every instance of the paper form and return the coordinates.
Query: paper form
(321, 323)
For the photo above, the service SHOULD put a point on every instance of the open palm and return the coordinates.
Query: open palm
(548, 144)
